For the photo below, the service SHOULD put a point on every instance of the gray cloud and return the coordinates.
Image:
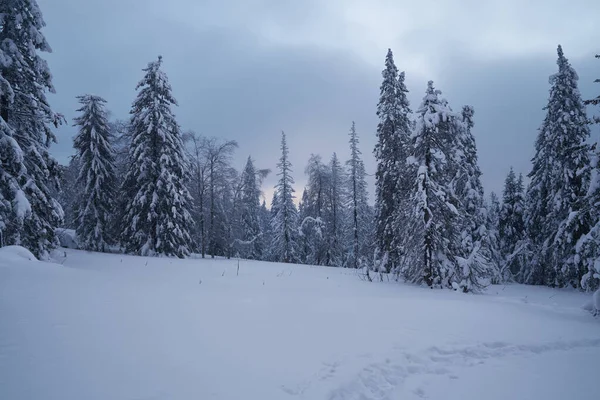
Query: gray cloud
(248, 71)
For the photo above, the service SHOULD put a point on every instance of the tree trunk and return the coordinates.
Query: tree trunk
(212, 210)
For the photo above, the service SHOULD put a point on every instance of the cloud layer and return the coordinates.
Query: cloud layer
(246, 70)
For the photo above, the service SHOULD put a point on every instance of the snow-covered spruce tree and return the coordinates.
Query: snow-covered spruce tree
(511, 226)
(14, 206)
(570, 126)
(475, 254)
(271, 253)
(493, 217)
(312, 227)
(432, 250)
(94, 206)
(392, 178)
(589, 245)
(360, 216)
(537, 227)
(303, 245)
(26, 116)
(250, 242)
(560, 178)
(284, 222)
(157, 218)
(334, 215)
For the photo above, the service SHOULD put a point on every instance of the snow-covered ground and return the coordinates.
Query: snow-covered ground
(102, 326)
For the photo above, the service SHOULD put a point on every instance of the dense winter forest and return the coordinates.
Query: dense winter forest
(146, 186)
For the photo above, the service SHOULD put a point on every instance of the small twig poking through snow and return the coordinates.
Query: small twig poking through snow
(290, 273)
(146, 263)
(553, 295)
(364, 276)
(263, 283)
(238, 268)
(63, 261)
(200, 282)
(223, 274)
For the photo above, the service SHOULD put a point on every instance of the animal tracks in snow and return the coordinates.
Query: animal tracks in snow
(326, 372)
(377, 381)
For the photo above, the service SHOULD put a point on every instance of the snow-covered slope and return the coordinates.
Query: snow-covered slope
(104, 326)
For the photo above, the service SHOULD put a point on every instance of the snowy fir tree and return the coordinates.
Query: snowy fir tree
(568, 123)
(511, 227)
(95, 154)
(157, 217)
(305, 230)
(14, 206)
(475, 254)
(588, 247)
(492, 222)
(271, 255)
(334, 215)
(434, 252)
(430, 252)
(360, 215)
(537, 226)
(312, 227)
(284, 222)
(391, 152)
(250, 241)
(556, 217)
(25, 129)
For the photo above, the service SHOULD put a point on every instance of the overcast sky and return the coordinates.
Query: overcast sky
(248, 69)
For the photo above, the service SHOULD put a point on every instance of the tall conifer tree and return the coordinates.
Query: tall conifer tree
(360, 213)
(391, 153)
(26, 133)
(556, 217)
(96, 158)
(285, 246)
(157, 218)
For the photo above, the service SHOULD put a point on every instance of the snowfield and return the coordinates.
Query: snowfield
(102, 326)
